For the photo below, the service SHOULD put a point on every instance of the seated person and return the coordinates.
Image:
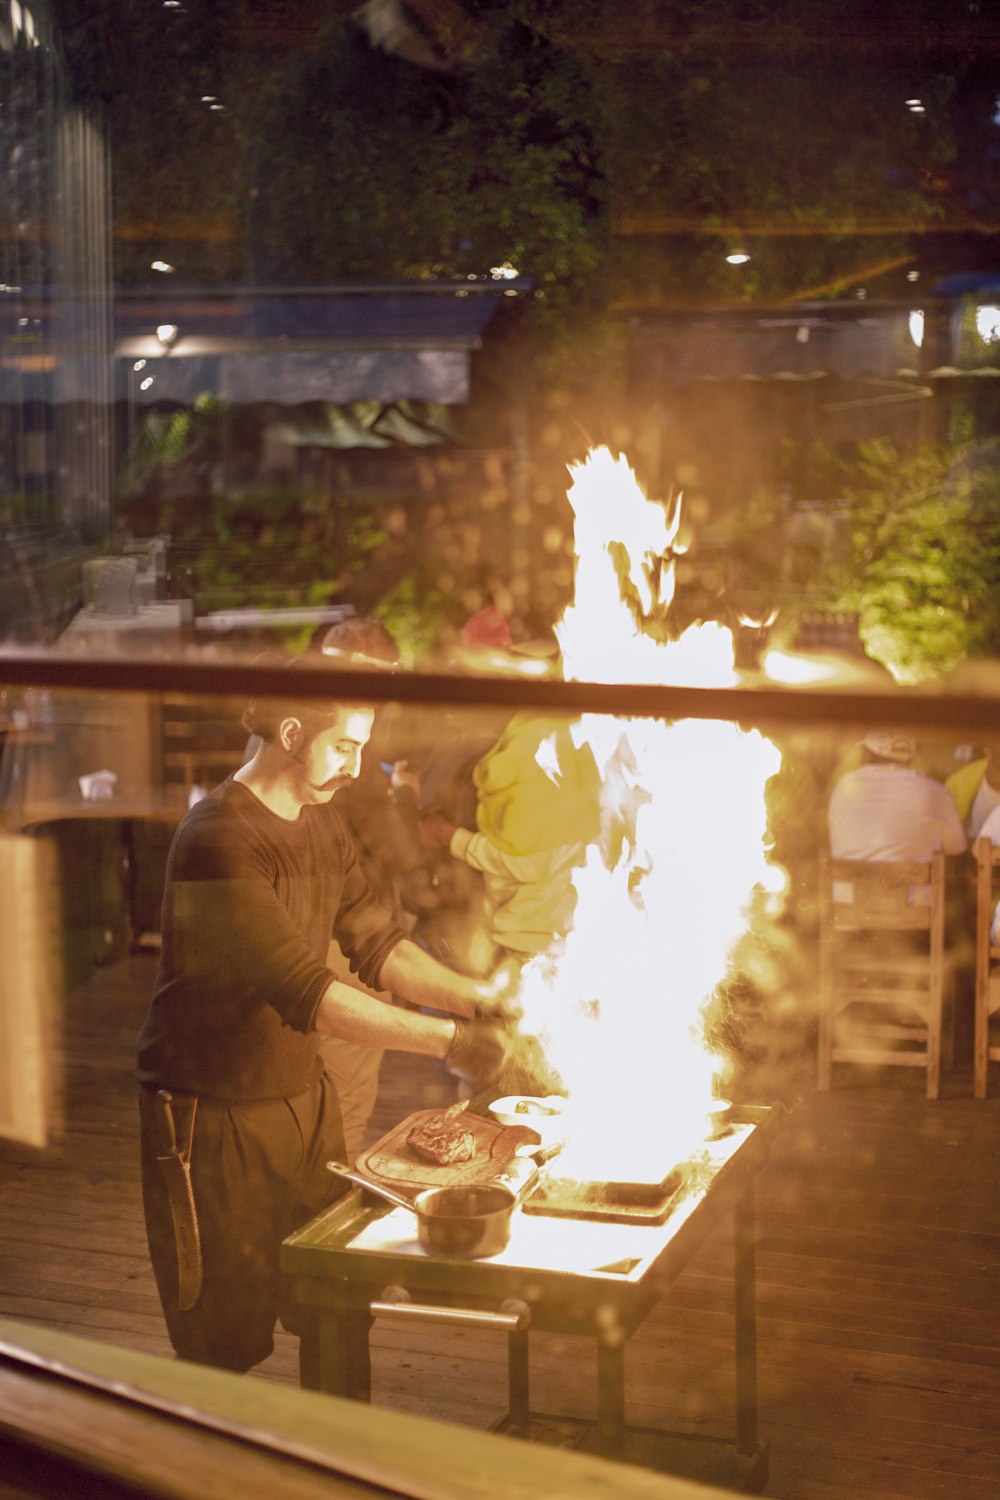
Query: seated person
(976, 788)
(887, 810)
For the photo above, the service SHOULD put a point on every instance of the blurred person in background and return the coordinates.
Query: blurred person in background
(975, 788)
(538, 807)
(885, 809)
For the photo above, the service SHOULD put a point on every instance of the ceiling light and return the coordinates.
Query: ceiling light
(160, 265)
(916, 323)
(737, 257)
(167, 334)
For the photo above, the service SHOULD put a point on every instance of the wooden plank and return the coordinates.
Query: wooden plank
(878, 1262)
(238, 1437)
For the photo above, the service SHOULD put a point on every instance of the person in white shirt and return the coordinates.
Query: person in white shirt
(886, 810)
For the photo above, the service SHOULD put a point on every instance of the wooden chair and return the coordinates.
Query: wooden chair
(198, 742)
(882, 967)
(987, 962)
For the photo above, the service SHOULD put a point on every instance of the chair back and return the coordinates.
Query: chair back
(882, 958)
(876, 895)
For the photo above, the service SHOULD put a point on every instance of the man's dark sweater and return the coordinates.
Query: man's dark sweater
(249, 906)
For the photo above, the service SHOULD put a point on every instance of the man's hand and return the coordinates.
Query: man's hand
(500, 994)
(435, 831)
(479, 1049)
(401, 776)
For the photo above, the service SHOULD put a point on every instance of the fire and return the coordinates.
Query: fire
(619, 1008)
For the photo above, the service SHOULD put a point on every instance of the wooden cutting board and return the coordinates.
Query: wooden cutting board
(393, 1163)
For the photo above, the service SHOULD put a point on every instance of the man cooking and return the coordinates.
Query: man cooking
(237, 1117)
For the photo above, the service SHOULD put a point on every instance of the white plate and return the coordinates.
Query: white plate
(548, 1126)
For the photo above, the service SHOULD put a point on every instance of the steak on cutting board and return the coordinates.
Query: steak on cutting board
(442, 1139)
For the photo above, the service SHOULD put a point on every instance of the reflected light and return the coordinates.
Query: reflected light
(988, 324)
(160, 265)
(505, 272)
(145, 384)
(917, 327)
(798, 671)
(22, 23)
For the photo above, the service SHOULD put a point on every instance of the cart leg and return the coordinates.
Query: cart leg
(745, 1287)
(518, 1398)
(611, 1391)
(334, 1356)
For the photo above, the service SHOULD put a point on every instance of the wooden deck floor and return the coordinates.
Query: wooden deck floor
(878, 1276)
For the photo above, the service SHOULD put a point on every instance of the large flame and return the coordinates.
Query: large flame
(662, 897)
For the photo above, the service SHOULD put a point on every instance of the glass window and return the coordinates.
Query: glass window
(564, 442)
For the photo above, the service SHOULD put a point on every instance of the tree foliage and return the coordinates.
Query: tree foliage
(920, 559)
(666, 131)
(358, 164)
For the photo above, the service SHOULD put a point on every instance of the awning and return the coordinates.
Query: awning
(337, 345)
(803, 343)
(925, 340)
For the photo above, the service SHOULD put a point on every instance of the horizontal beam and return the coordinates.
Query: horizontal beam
(757, 706)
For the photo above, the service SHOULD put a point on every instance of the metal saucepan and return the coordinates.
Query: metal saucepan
(471, 1220)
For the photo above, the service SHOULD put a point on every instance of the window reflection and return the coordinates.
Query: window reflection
(249, 399)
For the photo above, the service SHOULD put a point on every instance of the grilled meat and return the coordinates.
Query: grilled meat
(442, 1139)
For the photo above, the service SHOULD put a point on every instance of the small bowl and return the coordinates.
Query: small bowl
(544, 1115)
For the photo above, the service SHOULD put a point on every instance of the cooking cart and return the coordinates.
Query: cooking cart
(595, 1271)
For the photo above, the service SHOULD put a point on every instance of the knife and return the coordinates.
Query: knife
(176, 1165)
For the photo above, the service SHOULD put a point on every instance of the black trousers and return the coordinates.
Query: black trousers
(258, 1172)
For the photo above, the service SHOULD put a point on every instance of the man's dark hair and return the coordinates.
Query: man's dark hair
(263, 716)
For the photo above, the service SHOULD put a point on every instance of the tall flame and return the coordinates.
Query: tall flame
(661, 898)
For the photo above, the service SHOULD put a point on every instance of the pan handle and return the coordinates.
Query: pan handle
(373, 1187)
(514, 1316)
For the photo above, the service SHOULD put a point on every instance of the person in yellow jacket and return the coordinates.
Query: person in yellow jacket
(538, 807)
(976, 789)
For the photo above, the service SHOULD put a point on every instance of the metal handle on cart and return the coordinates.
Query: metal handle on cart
(514, 1316)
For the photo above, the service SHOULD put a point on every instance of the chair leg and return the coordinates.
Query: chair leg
(824, 1049)
(950, 1006)
(981, 1044)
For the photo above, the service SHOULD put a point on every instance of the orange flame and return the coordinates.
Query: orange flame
(662, 895)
